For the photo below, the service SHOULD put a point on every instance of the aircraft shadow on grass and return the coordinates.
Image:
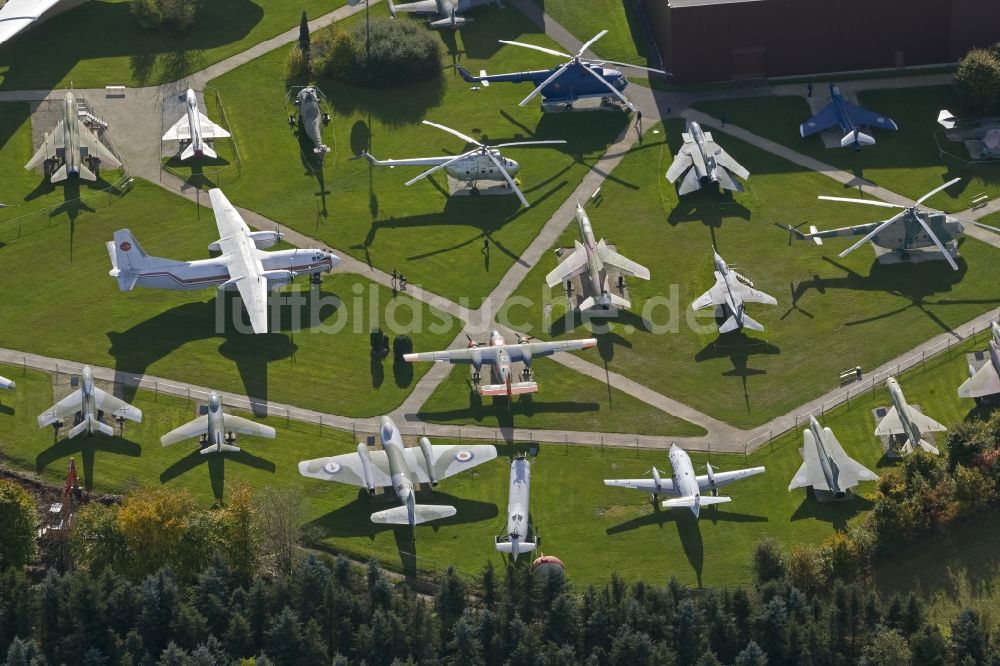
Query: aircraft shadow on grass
(835, 513)
(738, 347)
(709, 208)
(312, 167)
(216, 467)
(87, 448)
(383, 104)
(145, 343)
(505, 411)
(203, 172)
(42, 58)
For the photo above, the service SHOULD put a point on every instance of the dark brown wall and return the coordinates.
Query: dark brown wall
(790, 37)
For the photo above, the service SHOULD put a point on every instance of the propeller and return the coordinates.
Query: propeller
(472, 343)
(523, 338)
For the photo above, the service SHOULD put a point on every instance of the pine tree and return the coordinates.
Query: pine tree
(929, 647)
(465, 646)
(24, 653)
(968, 639)
(173, 655)
(450, 599)
(751, 655)
(488, 585)
(239, 637)
(284, 638)
(304, 35)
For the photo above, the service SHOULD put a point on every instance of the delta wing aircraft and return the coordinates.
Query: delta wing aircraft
(70, 143)
(398, 467)
(6, 383)
(850, 117)
(499, 356)
(707, 161)
(88, 404)
(195, 128)
(243, 264)
(686, 487)
(905, 420)
(215, 429)
(826, 466)
(985, 381)
(595, 259)
(446, 10)
(516, 541)
(729, 294)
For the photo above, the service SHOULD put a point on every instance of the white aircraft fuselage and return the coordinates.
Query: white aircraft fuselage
(733, 300)
(6, 383)
(706, 168)
(194, 121)
(71, 136)
(500, 372)
(203, 273)
(685, 481)
(596, 273)
(517, 504)
(913, 432)
(399, 471)
(826, 464)
(215, 434)
(470, 168)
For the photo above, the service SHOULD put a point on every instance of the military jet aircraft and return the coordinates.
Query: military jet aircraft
(499, 356)
(483, 162)
(447, 10)
(708, 163)
(17, 15)
(595, 259)
(216, 429)
(69, 144)
(88, 405)
(561, 86)
(986, 380)
(312, 119)
(686, 487)
(729, 294)
(399, 467)
(6, 383)
(911, 229)
(195, 128)
(904, 420)
(516, 541)
(850, 117)
(826, 466)
(242, 266)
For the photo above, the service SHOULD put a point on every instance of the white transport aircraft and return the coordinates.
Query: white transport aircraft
(195, 128)
(242, 265)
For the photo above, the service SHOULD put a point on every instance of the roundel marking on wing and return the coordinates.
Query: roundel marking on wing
(125, 246)
(331, 467)
(463, 456)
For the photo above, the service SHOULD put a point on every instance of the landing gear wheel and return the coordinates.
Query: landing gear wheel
(316, 279)
(474, 191)
(904, 255)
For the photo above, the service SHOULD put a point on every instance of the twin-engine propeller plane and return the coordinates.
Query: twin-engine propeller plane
(499, 356)
(398, 467)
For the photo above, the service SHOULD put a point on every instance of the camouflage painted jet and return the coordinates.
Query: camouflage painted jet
(88, 404)
(729, 294)
(399, 467)
(904, 420)
(195, 128)
(707, 161)
(447, 10)
(216, 428)
(985, 381)
(69, 143)
(826, 466)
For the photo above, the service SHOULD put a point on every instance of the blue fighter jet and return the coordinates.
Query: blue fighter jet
(850, 117)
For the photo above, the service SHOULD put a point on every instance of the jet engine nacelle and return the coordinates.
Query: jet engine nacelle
(656, 480)
(366, 468)
(526, 357)
(604, 301)
(425, 448)
(277, 279)
(261, 239)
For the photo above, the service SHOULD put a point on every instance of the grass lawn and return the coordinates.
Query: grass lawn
(907, 162)
(832, 313)
(368, 212)
(594, 529)
(625, 41)
(68, 307)
(566, 400)
(99, 43)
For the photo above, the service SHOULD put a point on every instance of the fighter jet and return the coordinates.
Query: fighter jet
(685, 486)
(986, 380)
(515, 541)
(243, 265)
(826, 466)
(6, 383)
(216, 429)
(729, 294)
(312, 119)
(708, 163)
(499, 356)
(904, 420)
(595, 259)
(69, 143)
(400, 467)
(850, 117)
(18, 15)
(88, 405)
(195, 128)
(447, 10)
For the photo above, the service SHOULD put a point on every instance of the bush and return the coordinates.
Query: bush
(152, 14)
(297, 66)
(398, 52)
(18, 515)
(978, 80)
(768, 561)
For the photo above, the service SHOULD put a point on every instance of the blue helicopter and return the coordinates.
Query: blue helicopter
(576, 79)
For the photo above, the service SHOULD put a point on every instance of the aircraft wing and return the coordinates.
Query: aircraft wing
(210, 130)
(850, 470)
(724, 159)
(189, 430)
(243, 262)
(94, 146)
(179, 131)
(519, 352)
(681, 162)
(419, 7)
(246, 426)
(117, 407)
(17, 15)
(620, 263)
(925, 423)
(714, 296)
(448, 460)
(62, 410)
(646, 485)
(347, 468)
(750, 295)
(810, 473)
(52, 141)
(823, 120)
(725, 478)
(482, 355)
(890, 424)
(572, 265)
(985, 382)
(862, 116)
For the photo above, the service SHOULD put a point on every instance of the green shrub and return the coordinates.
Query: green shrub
(978, 80)
(18, 515)
(397, 52)
(297, 66)
(152, 14)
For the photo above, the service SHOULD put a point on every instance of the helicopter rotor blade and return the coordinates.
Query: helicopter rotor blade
(937, 241)
(872, 233)
(935, 191)
(625, 64)
(454, 133)
(434, 169)
(536, 48)
(555, 75)
(984, 226)
(610, 87)
(510, 181)
(586, 45)
(867, 202)
(530, 143)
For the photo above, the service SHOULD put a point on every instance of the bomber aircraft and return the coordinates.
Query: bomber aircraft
(850, 117)
(986, 380)
(826, 466)
(707, 161)
(905, 420)
(446, 10)
(516, 541)
(195, 128)
(215, 429)
(88, 404)
(729, 295)
(69, 144)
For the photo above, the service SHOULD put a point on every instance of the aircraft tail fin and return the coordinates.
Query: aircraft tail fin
(466, 75)
(208, 151)
(587, 303)
(812, 234)
(392, 9)
(522, 547)
(946, 119)
(86, 173)
(60, 175)
(422, 513)
(730, 324)
(751, 323)
(94, 424)
(690, 183)
(618, 301)
(128, 259)
(857, 138)
(453, 22)
(516, 388)
(726, 180)
(188, 152)
(219, 448)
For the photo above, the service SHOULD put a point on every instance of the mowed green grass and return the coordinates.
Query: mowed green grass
(68, 307)
(99, 43)
(566, 400)
(907, 162)
(592, 528)
(625, 40)
(832, 313)
(433, 239)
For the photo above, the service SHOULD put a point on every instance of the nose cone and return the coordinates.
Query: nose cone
(513, 168)
(387, 428)
(333, 259)
(214, 402)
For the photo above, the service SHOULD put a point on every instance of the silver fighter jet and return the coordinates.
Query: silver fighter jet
(729, 294)
(216, 429)
(986, 380)
(708, 163)
(826, 466)
(88, 404)
(595, 258)
(905, 420)
(195, 128)
(69, 143)
(686, 487)
(399, 467)
(515, 541)
(446, 10)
